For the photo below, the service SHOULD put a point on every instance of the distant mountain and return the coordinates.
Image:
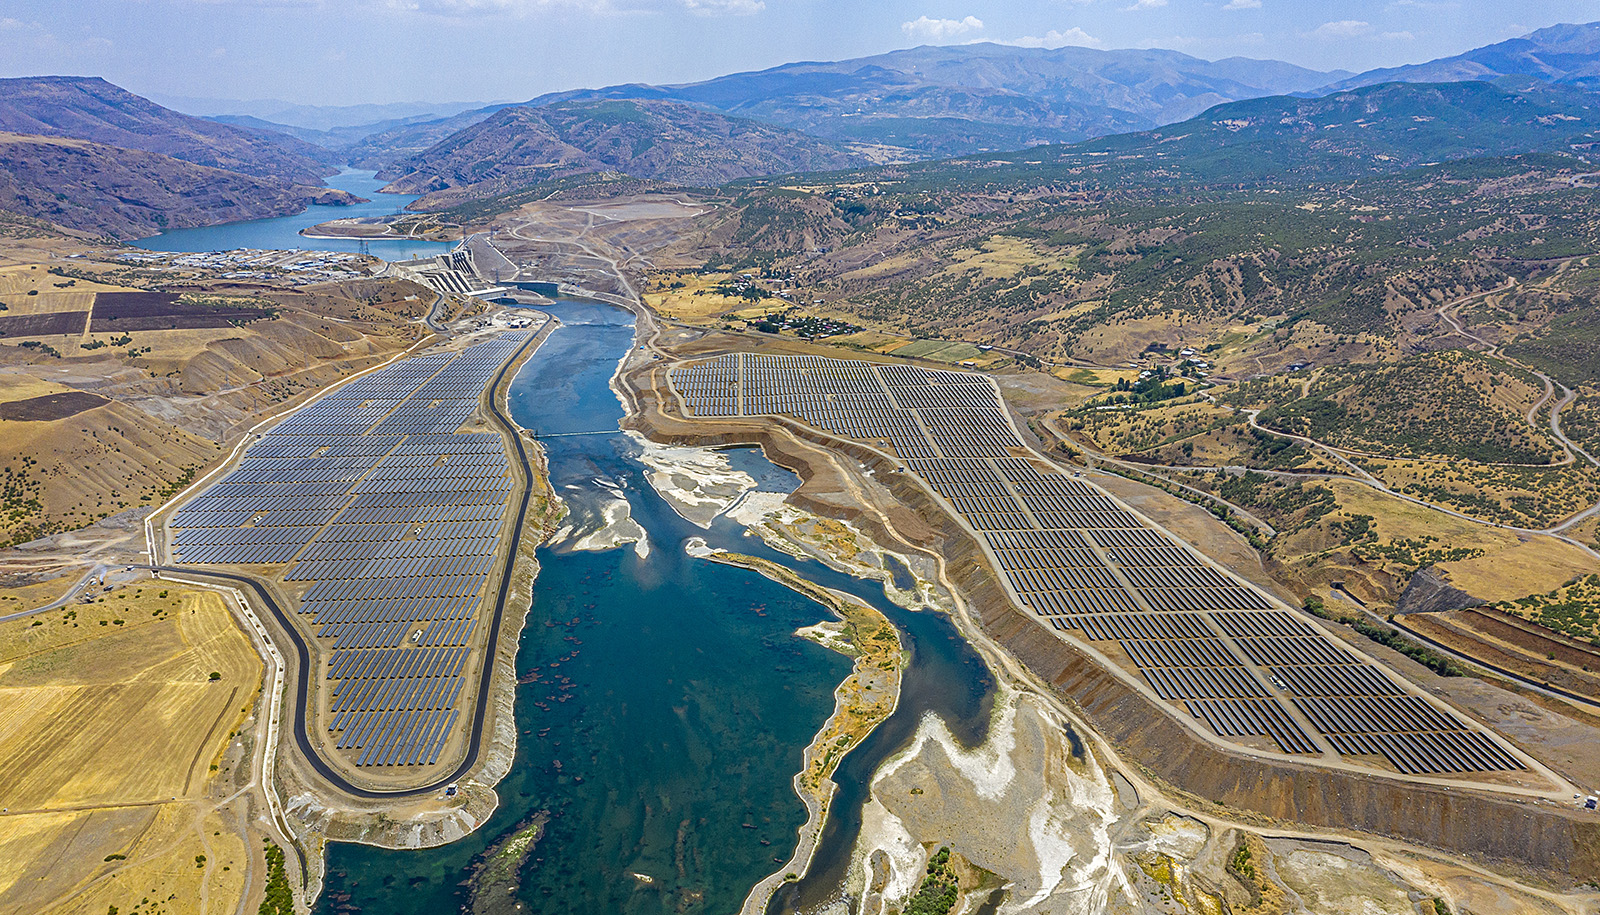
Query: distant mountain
(1560, 54)
(313, 117)
(1365, 131)
(521, 146)
(129, 193)
(935, 102)
(332, 143)
(1034, 95)
(90, 108)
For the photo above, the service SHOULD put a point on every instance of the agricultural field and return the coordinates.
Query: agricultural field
(114, 719)
(944, 351)
(130, 311)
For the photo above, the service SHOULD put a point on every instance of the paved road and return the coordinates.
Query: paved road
(302, 687)
(63, 600)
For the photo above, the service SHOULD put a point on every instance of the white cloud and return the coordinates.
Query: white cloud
(1073, 37)
(724, 7)
(936, 30)
(1343, 28)
(1146, 4)
(1243, 5)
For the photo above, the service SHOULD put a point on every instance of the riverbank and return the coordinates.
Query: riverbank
(1164, 759)
(862, 702)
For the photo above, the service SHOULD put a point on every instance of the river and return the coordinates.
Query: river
(283, 232)
(673, 701)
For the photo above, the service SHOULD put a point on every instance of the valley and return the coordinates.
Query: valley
(995, 476)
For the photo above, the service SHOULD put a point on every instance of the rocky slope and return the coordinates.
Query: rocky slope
(129, 193)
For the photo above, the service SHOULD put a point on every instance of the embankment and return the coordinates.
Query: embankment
(1561, 845)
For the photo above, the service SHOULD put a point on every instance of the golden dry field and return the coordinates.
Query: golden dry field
(111, 725)
(688, 297)
(70, 458)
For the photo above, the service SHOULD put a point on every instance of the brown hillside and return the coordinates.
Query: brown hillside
(90, 108)
(130, 193)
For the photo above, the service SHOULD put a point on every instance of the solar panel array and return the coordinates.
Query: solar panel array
(393, 518)
(1203, 640)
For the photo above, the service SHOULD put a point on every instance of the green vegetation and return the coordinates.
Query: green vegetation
(1151, 388)
(1424, 405)
(280, 898)
(1573, 609)
(937, 895)
(1407, 554)
(45, 348)
(1241, 862)
(1387, 637)
(1289, 506)
(1391, 638)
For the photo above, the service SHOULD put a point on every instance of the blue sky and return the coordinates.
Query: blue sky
(336, 52)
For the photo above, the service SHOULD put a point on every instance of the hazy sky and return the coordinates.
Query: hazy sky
(339, 52)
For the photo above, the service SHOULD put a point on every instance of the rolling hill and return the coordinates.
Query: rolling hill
(520, 146)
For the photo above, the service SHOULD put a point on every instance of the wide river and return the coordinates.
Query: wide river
(673, 700)
(283, 232)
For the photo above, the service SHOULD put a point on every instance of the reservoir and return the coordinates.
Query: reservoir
(283, 232)
(673, 700)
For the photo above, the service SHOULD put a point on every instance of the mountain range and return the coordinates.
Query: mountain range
(1193, 118)
(1368, 130)
(939, 102)
(89, 108)
(1566, 55)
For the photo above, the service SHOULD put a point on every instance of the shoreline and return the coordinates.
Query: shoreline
(813, 784)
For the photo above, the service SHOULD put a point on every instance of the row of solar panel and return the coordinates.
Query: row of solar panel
(1057, 570)
(424, 608)
(413, 738)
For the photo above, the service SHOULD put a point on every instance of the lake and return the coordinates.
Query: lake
(283, 232)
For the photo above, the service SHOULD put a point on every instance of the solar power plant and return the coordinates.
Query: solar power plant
(1207, 642)
(390, 519)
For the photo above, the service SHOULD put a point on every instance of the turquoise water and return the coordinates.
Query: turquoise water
(673, 700)
(282, 232)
